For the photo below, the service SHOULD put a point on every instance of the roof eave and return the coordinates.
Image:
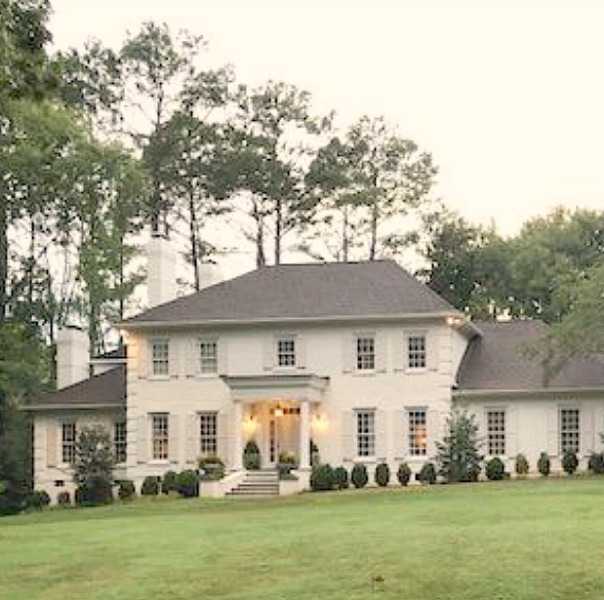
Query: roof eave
(72, 406)
(479, 393)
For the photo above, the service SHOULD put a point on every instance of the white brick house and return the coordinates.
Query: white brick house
(360, 358)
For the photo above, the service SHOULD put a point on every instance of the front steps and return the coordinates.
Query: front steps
(257, 484)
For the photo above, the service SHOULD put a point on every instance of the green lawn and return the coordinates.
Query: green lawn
(525, 540)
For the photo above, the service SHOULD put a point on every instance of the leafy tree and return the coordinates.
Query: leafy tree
(458, 455)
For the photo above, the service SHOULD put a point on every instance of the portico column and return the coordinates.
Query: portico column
(237, 436)
(304, 435)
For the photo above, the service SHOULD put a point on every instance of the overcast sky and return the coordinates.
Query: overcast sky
(507, 95)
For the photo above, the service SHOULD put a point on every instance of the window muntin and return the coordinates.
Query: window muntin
(208, 356)
(160, 357)
(68, 442)
(160, 436)
(570, 430)
(365, 432)
(365, 353)
(286, 352)
(418, 432)
(119, 441)
(208, 433)
(496, 432)
(416, 352)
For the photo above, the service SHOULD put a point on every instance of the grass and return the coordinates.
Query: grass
(512, 540)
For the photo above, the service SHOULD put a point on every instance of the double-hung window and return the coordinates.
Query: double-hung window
(160, 357)
(570, 432)
(160, 436)
(365, 356)
(418, 432)
(68, 442)
(286, 352)
(416, 352)
(496, 432)
(208, 356)
(119, 441)
(208, 433)
(365, 432)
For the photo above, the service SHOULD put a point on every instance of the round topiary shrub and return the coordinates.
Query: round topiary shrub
(126, 490)
(495, 469)
(322, 478)
(359, 476)
(188, 484)
(251, 456)
(544, 464)
(94, 491)
(427, 474)
(596, 463)
(340, 477)
(403, 474)
(521, 465)
(382, 474)
(150, 486)
(570, 462)
(38, 499)
(211, 468)
(168, 482)
(64, 498)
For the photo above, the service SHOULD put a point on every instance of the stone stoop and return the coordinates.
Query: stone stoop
(257, 484)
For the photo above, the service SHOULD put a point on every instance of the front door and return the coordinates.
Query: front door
(284, 433)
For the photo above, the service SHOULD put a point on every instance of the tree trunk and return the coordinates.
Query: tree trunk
(278, 231)
(193, 239)
(345, 240)
(3, 254)
(374, 222)
(259, 218)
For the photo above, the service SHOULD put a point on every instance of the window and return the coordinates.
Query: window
(159, 436)
(68, 441)
(160, 357)
(119, 441)
(208, 427)
(496, 432)
(365, 353)
(416, 352)
(286, 352)
(366, 433)
(208, 356)
(569, 430)
(418, 434)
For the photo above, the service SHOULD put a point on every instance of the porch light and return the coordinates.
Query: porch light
(320, 423)
(250, 424)
(278, 412)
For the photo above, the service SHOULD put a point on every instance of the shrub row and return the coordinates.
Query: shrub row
(185, 483)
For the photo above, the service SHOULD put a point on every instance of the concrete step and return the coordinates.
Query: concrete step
(257, 484)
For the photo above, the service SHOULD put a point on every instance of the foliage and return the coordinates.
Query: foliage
(596, 463)
(313, 451)
(495, 469)
(126, 490)
(341, 478)
(570, 462)
(38, 499)
(93, 455)
(322, 478)
(403, 474)
(427, 474)
(188, 483)
(382, 474)
(169, 482)
(212, 467)
(521, 465)
(286, 463)
(251, 456)
(359, 476)
(94, 490)
(150, 486)
(458, 456)
(544, 464)
(64, 498)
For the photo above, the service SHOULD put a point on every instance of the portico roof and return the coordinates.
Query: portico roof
(272, 388)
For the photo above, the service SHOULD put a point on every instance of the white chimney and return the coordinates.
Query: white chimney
(161, 271)
(72, 357)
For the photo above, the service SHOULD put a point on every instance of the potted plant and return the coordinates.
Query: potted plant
(286, 464)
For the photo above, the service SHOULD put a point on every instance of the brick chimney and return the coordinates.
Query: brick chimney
(73, 350)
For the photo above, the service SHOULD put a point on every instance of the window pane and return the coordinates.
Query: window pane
(208, 443)
(160, 437)
(366, 433)
(68, 438)
(569, 430)
(416, 352)
(418, 433)
(119, 441)
(286, 352)
(208, 355)
(160, 357)
(365, 353)
(496, 432)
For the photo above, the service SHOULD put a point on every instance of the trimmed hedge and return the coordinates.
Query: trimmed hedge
(322, 478)
(169, 482)
(126, 490)
(544, 464)
(403, 474)
(495, 469)
(427, 474)
(359, 476)
(188, 484)
(150, 486)
(522, 465)
(341, 478)
(570, 462)
(382, 474)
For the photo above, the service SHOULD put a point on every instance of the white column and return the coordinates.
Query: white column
(237, 436)
(304, 435)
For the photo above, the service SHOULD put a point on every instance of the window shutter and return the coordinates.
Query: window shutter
(222, 349)
(381, 435)
(511, 431)
(400, 434)
(403, 352)
(268, 353)
(142, 439)
(173, 438)
(143, 357)
(222, 426)
(381, 353)
(432, 350)
(552, 432)
(348, 353)
(433, 431)
(300, 352)
(174, 357)
(482, 422)
(192, 359)
(192, 438)
(52, 437)
(586, 436)
(348, 436)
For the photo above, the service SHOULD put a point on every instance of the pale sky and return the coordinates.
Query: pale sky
(506, 94)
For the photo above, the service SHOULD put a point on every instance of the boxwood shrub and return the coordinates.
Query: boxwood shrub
(38, 499)
(427, 474)
(596, 463)
(188, 483)
(322, 478)
(340, 477)
(570, 462)
(126, 490)
(150, 486)
(522, 465)
(403, 474)
(495, 469)
(544, 464)
(359, 476)
(96, 490)
(169, 482)
(382, 474)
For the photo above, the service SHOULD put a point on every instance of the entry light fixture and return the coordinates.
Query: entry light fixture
(278, 412)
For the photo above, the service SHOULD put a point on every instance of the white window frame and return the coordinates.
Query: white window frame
(286, 352)
(208, 361)
(160, 357)
(208, 433)
(365, 436)
(365, 352)
(417, 428)
(569, 438)
(68, 441)
(496, 428)
(417, 351)
(120, 441)
(160, 436)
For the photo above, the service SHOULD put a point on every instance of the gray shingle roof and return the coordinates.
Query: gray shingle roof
(496, 362)
(105, 390)
(304, 291)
